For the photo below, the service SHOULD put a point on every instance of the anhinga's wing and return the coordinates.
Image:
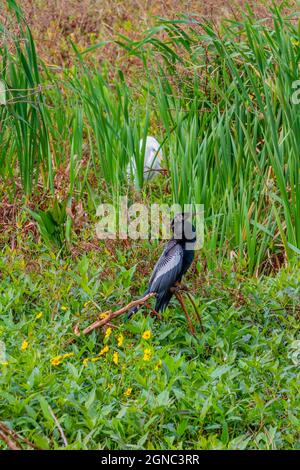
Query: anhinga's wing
(168, 268)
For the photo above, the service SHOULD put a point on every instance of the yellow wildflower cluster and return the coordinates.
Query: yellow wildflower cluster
(108, 332)
(102, 316)
(104, 350)
(116, 357)
(120, 340)
(24, 345)
(39, 315)
(146, 334)
(67, 355)
(128, 392)
(95, 359)
(55, 361)
(147, 354)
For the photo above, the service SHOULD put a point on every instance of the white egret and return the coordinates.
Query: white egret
(152, 160)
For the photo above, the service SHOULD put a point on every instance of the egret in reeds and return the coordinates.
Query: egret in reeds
(152, 161)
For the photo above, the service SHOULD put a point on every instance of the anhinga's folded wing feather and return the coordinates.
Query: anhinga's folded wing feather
(167, 270)
(166, 273)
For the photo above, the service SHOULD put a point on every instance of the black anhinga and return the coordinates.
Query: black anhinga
(174, 262)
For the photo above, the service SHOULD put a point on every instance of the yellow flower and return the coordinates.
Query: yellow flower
(108, 332)
(147, 354)
(146, 334)
(104, 350)
(95, 359)
(67, 355)
(55, 361)
(127, 392)
(64, 308)
(102, 316)
(24, 345)
(39, 315)
(116, 357)
(120, 339)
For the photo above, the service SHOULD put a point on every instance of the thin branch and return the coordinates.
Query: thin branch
(11, 444)
(180, 299)
(61, 431)
(111, 315)
(183, 288)
(6, 431)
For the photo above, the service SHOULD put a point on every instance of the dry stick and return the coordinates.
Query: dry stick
(154, 312)
(182, 287)
(111, 315)
(191, 326)
(15, 436)
(11, 444)
(59, 427)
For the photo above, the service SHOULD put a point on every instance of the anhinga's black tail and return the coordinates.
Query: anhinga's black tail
(132, 311)
(162, 301)
(137, 307)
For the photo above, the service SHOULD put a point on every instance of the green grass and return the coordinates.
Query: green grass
(232, 127)
(234, 387)
(25, 114)
(222, 108)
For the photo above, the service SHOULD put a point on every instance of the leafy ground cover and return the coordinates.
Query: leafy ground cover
(147, 384)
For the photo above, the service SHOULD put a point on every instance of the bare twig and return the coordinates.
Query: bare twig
(111, 315)
(180, 299)
(183, 288)
(13, 437)
(61, 431)
(11, 444)
(154, 313)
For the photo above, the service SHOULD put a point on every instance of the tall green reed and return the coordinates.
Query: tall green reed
(114, 124)
(25, 136)
(224, 98)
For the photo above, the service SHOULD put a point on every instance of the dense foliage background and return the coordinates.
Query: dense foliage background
(222, 98)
